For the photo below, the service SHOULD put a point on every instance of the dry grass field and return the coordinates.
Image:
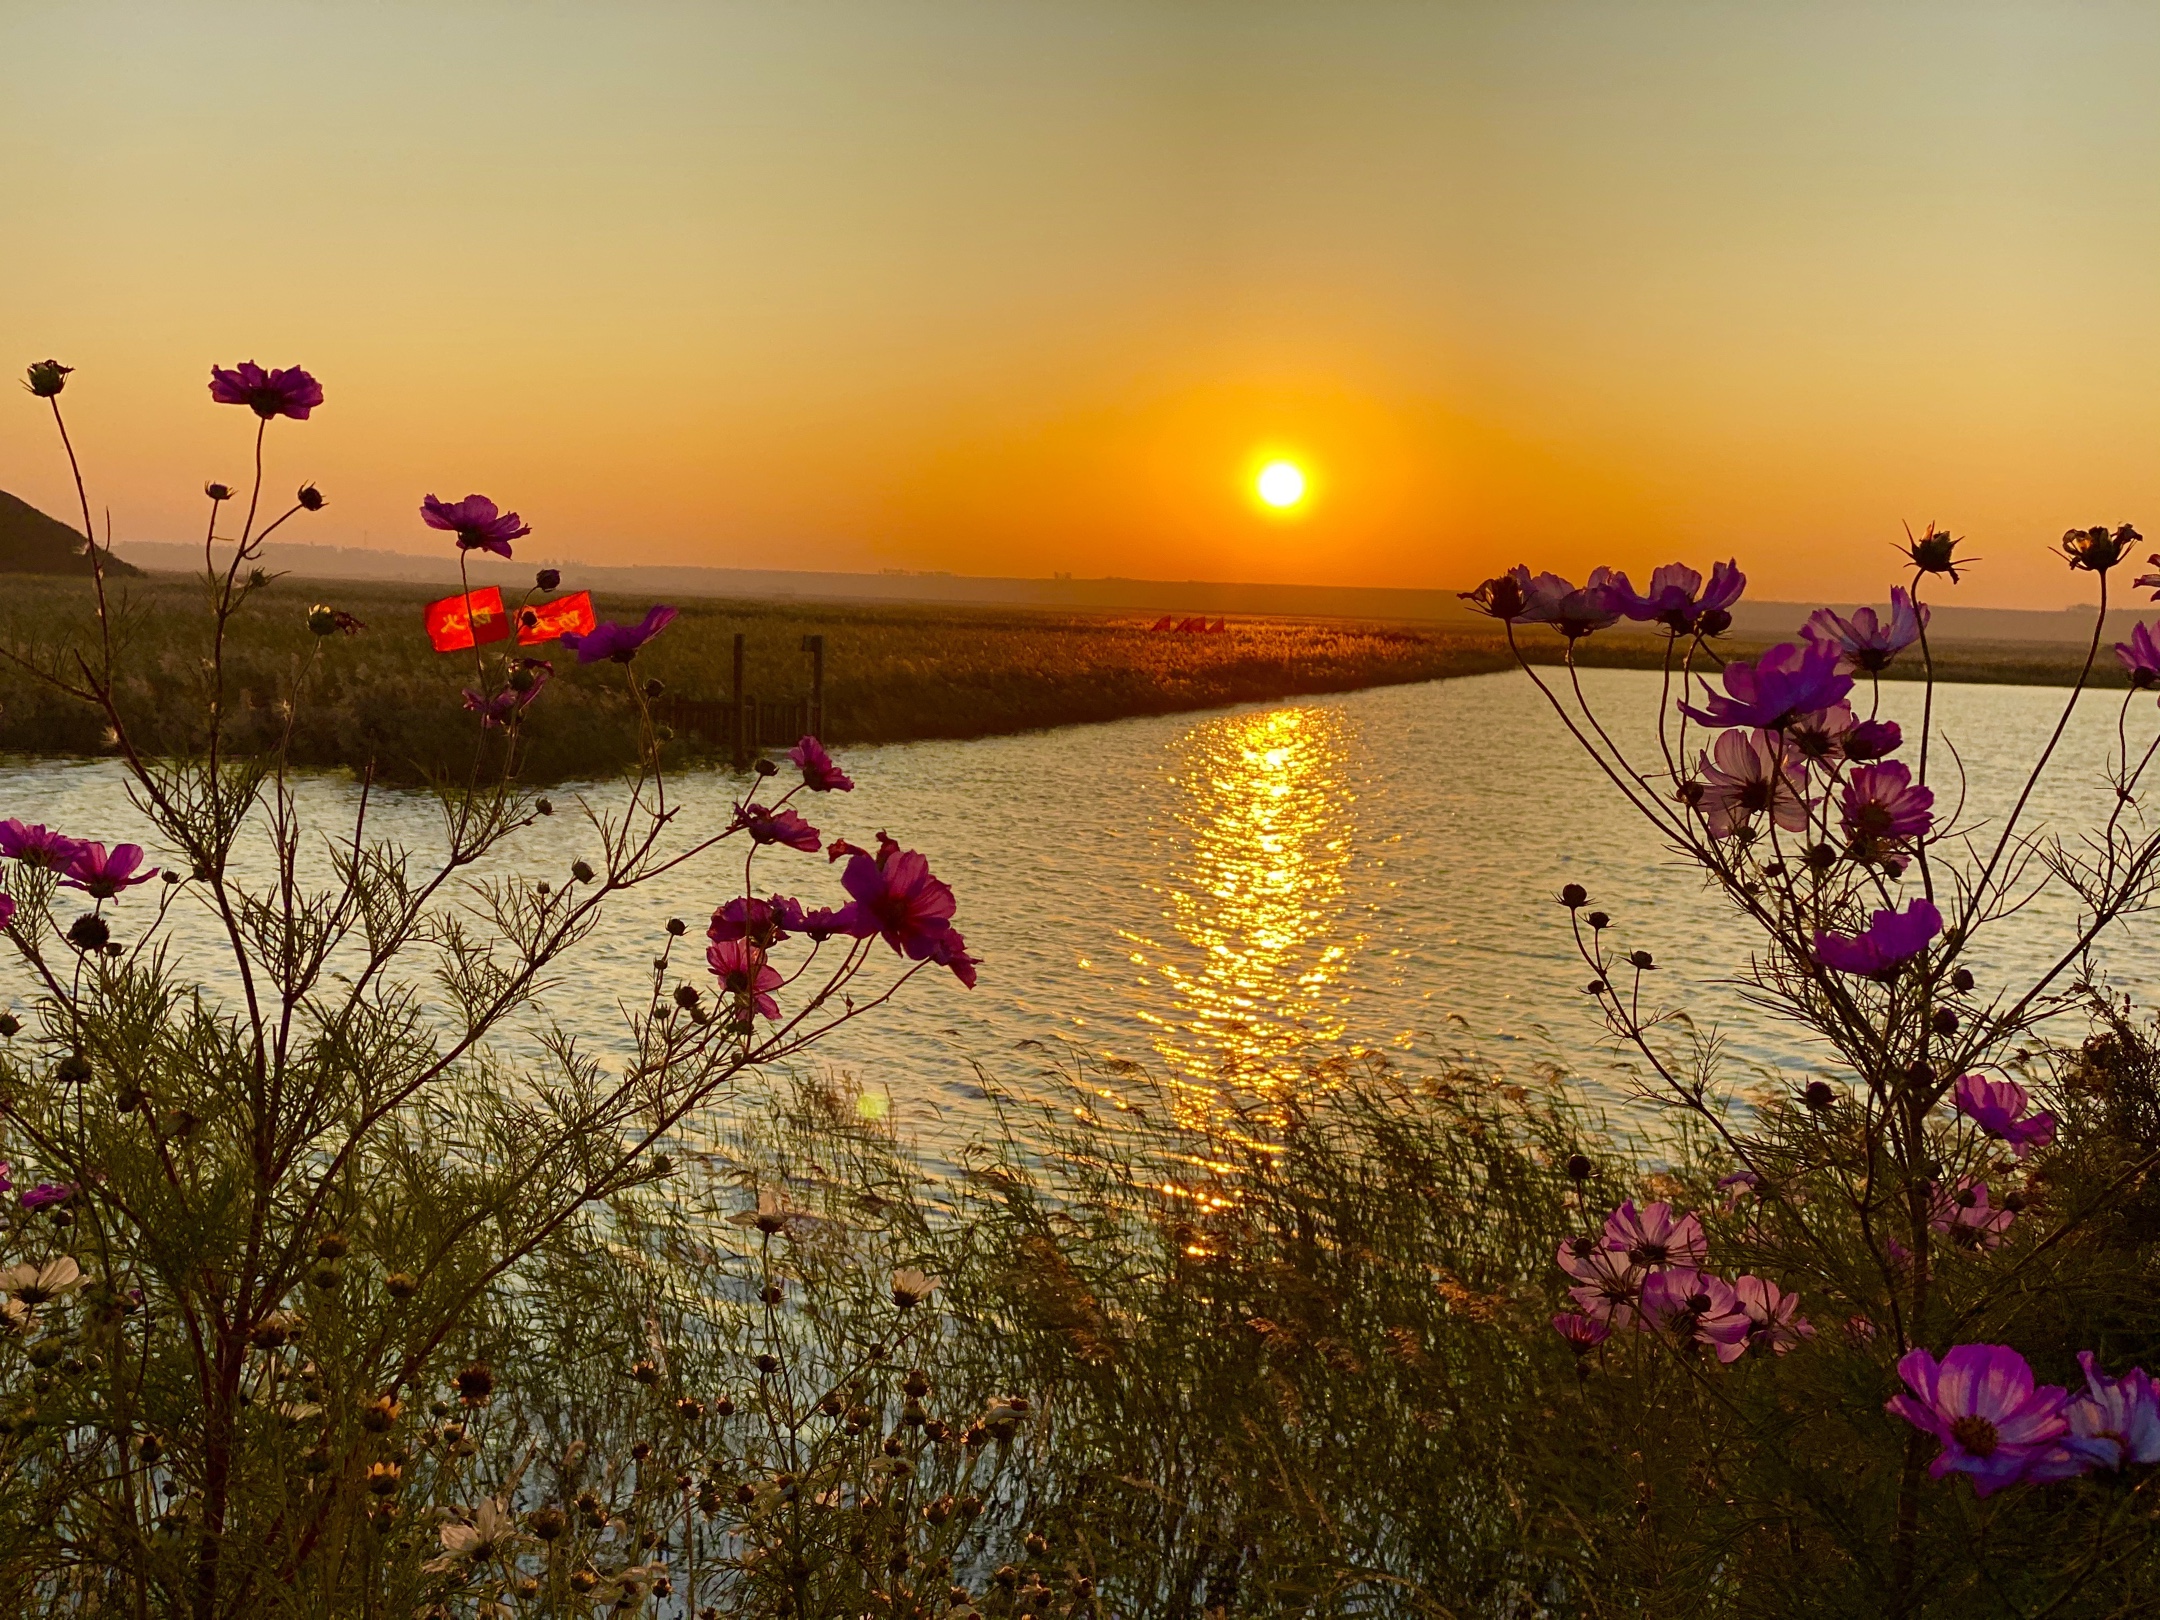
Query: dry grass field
(894, 672)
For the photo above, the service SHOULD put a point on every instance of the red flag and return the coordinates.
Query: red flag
(1163, 623)
(470, 618)
(544, 621)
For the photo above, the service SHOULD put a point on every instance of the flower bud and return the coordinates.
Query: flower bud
(380, 1415)
(217, 491)
(1574, 896)
(654, 688)
(401, 1285)
(72, 1070)
(475, 1384)
(1944, 1022)
(582, 871)
(548, 578)
(544, 807)
(1641, 961)
(332, 1246)
(522, 679)
(766, 767)
(1820, 1096)
(89, 932)
(310, 497)
(10, 1025)
(1962, 981)
(687, 997)
(1714, 623)
(1579, 1167)
(645, 1372)
(1598, 920)
(149, 1448)
(47, 378)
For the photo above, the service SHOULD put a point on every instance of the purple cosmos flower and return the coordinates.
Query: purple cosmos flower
(1775, 1324)
(1610, 1288)
(1966, 1217)
(7, 1177)
(291, 392)
(1819, 737)
(782, 826)
(896, 898)
(1882, 807)
(819, 773)
(1980, 1402)
(477, 523)
(1652, 1237)
(1504, 596)
(949, 950)
(1676, 597)
(1576, 613)
(1752, 772)
(1998, 1108)
(620, 642)
(762, 922)
(1872, 739)
(1698, 1308)
(1891, 939)
(2140, 656)
(46, 1193)
(37, 846)
(2113, 1420)
(102, 876)
(1740, 1184)
(1787, 681)
(512, 700)
(1868, 643)
(7, 915)
(742, 971)
(1583, 1333)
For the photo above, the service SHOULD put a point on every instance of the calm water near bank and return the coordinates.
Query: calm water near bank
(1242, 892)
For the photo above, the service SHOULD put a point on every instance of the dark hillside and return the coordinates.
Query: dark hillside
(32, 543)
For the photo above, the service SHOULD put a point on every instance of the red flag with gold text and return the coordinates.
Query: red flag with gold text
(544, 621)
(468, 619)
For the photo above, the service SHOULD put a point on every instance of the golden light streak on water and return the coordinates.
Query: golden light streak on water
(1257, 944)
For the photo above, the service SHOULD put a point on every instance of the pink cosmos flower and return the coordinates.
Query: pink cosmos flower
(1965, 1216)
(1998, 1108)
(1872, 739)
(1738, 1185)
(2140, 656)
(819, 773)
(1582, 1257)
(507, 704)
(743, 973)
(7, 1177)
(1698, 1308)
(47, 1193)
(896, 898)
(1883, 808)
(1610, 1289)
(1752, 773)
(1652, 1237)
(949, 950)
(1868, 643)
(1676, 597)
(2113, 1420)
(291, 392)
(782, 826)
(1891, 939)
(1583, 1333)
(36, 846)
(7, 909)
(1787, 681)
(762, 922)
(1775, 1324)
(101, 875)
(620, 642)
(478, 524)
(1981, 1403)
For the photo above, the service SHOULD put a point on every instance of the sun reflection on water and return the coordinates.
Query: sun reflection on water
(1250, 970)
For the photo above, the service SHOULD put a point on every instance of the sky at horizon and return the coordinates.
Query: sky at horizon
(1021, 288)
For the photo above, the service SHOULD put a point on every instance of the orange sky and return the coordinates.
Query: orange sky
(1014, 288)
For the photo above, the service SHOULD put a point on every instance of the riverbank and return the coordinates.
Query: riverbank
(895, 672)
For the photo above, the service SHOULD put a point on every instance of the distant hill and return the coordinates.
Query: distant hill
(32, 543)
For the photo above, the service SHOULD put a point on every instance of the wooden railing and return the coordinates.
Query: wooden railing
(745, 724)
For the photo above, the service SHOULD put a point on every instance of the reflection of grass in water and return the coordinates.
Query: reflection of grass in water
(894, 672)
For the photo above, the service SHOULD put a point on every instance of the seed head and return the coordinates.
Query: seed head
(47, 378)
(89, 932)
(1574, 896)
(310, 497)
(217, 491)
(475, 1384)
(401, 1285)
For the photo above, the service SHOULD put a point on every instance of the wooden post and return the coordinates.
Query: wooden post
(815, 647)
(742, 750)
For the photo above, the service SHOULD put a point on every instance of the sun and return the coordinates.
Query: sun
(1281, 484)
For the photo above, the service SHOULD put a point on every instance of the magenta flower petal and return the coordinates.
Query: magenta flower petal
(103, 876)
(1868, 643)
(1891, 939)
(620, 642)
(1882, 808)
(1653, 1236)
(1981, 1403)
(1787, 681)
(291, 392)
(37, 845)
(476, 522)
(819, 773)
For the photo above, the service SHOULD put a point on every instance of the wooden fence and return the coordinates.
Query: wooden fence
(744, 723)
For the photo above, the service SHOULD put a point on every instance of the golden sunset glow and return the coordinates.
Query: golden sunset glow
(1264, 834)
(1281, 484)
(856, 286)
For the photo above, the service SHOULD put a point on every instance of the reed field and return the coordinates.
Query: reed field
(894, 672)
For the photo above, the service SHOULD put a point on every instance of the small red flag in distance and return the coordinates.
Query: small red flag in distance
(546, 620)
(468, 619)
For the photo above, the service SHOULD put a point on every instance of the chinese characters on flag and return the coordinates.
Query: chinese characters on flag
(475, 618)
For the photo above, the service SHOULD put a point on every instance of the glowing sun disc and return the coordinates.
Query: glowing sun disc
(1281, 483)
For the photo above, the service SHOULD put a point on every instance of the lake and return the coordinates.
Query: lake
(1234, 895)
